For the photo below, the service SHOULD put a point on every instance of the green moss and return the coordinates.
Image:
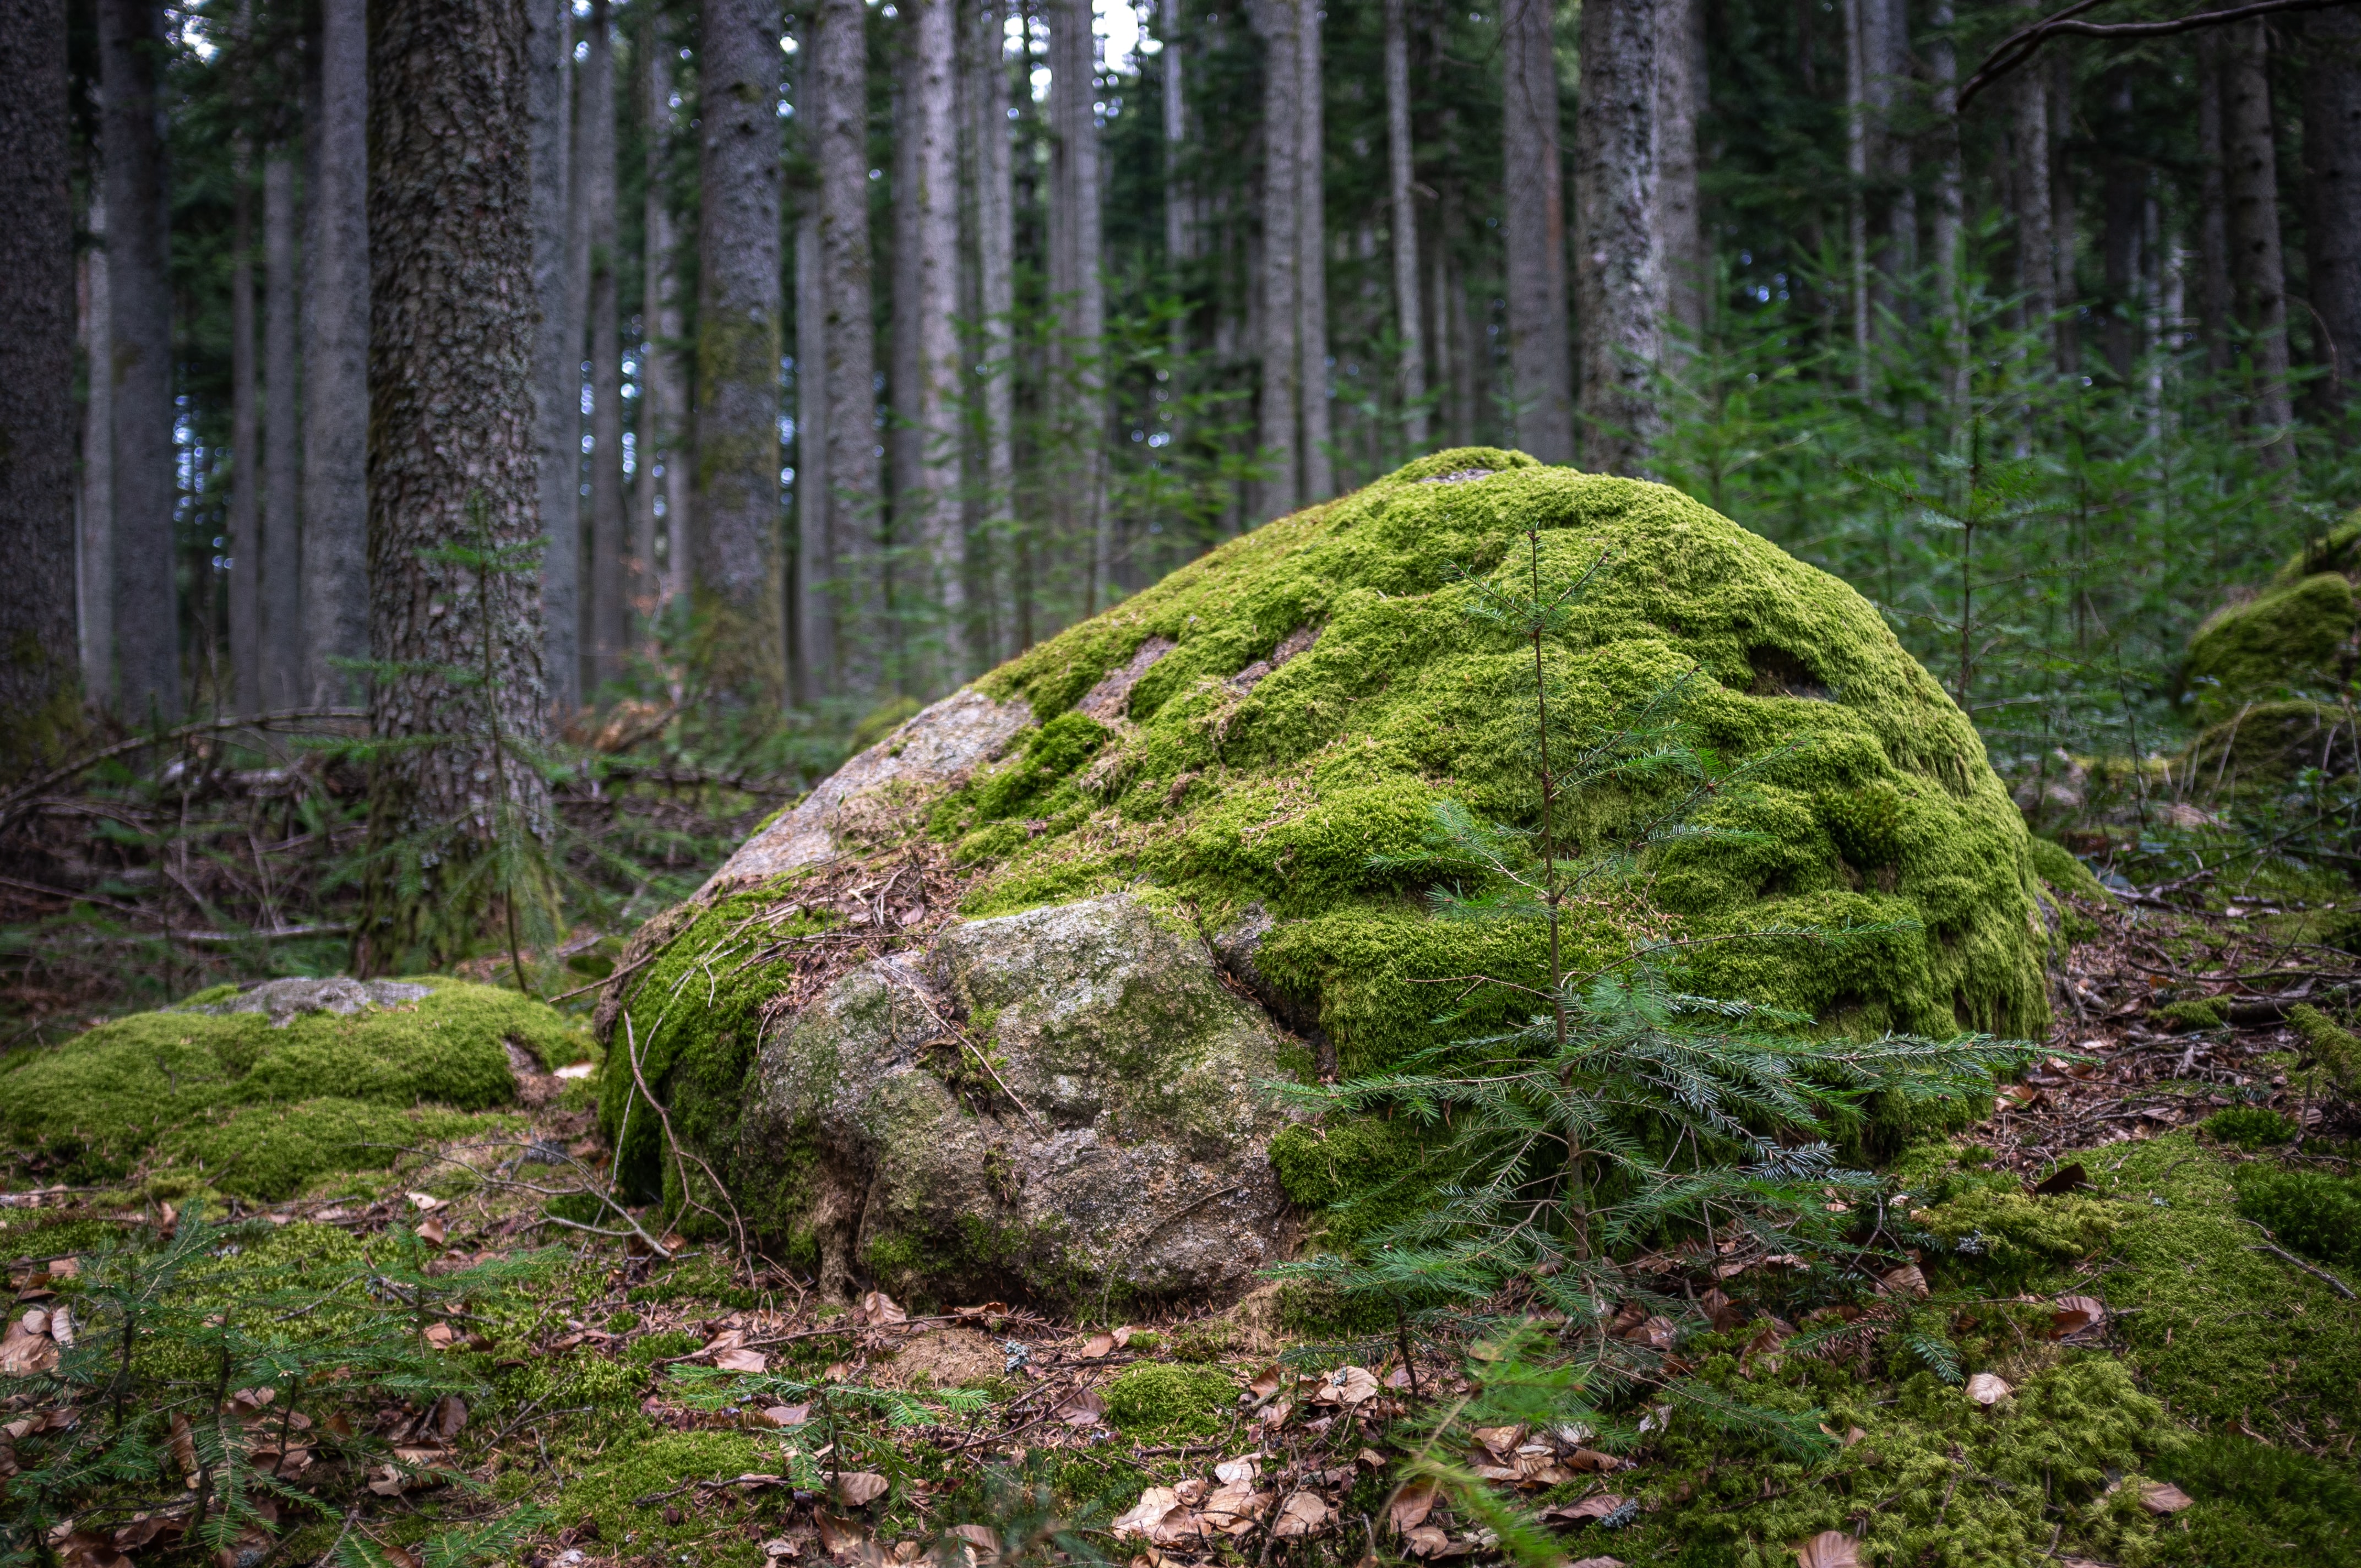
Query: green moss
(604, 1494)
(274, 1151)
(2064, 871)
(2191, 1012)
(2013, 1239)
(179, 1082)
(1162, 1401)
(2338, 549)
(2266, 742)
(2287, 640)
(1369, 1166)
(2260, 1507)
(2337, 1049)
(2315, 1213)
(2248, 1127)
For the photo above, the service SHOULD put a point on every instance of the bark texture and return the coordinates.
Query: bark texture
(663, 503)
(39, 685)
(931, 515)
(335, 613)
(139, 289)
(1949, 227)
(1400, 176)
(1532, 223)
(995, 284)
(1623, 287)
(837, 101)
(2213, 207)
(556, 359)
(609, 626)
(1680, 99)
(94, 549)
(451, 462)
(815, 617)
(739, 302)
(1078, 368)
(1312, 265)
(2036, 278)
(247, 683)
(2331, 157)
(1279, 313)
(2257, 269)
(283, 536)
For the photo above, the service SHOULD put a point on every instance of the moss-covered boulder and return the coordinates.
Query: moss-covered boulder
(2288, 640)
(1241, 751)
(259, 1091)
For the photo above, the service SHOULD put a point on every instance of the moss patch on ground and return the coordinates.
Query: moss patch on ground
(1160, 1401)
(262, 1111)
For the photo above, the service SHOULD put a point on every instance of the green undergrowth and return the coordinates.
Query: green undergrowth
(261, 1111)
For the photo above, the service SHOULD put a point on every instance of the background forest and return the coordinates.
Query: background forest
(853, 348)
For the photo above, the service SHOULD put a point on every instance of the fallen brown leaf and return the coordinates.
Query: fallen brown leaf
(1986, 1389)
(1907, 1280)
(1085, 1408)
(1097, 1346)
(2076, 1313)
(434, 1232)
(1596, 1563)
(786, 1415)
(859, 1488)
(1426, 1541)
(1411, 1505)
(1829, 1548)
(742, 1361)
(877, 1308)
(838, 1535)
(1303, 1514)
(2164, 1497)
(1602, 1505)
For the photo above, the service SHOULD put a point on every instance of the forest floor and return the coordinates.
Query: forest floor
(644, 1401)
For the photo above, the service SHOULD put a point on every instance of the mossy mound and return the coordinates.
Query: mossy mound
(2270, 742)
(1162, 1401)
(2284, 641)
(260, 1101)
(1242, 746)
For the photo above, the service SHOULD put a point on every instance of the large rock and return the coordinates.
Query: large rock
(1161, 849)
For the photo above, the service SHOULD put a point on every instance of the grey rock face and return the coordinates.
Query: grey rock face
(1061, 1105)
(286, 999)
(934, 748)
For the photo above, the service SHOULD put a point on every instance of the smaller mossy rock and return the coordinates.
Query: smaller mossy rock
(2065, 872)
(1163, 1402)
(2284, 641)
(327, 1057)
(2191, 1012)
(1114, 1146)
(2315, 1212)
(2335, 1049)
(2338, 549)
(2248, 1127)
(2269, 742)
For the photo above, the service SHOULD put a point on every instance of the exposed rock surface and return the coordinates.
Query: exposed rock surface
(284, 1001)
(1097, 1122)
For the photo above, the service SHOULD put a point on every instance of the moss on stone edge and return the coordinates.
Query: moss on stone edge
(187, 1086)
(2290, 638)
(2064, 871)
(1280, 794)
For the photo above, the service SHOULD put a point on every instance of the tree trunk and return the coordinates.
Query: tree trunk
(2065, 218)
(1890, 89)
(610, 625)
(1532, 223)
(739, 303)
(2257, 275)
(245, 650)
(147, 620)
(1949, 227)
(1281, 313)
(837, 78)
(1078, 284)
(556, 351)
(995, 207)
(1623, 285)
(2123, 224)
(2036, 280)
(662, 472)
(1453, 332)
(95, 546)
(816, 658)
(335, 594)
(453, 808)
(1857, 28)
(2212, 208)
(40, 688)
(1680, 100)
(1402, 175)
(1312, 265)
(2331, 157)
(936, 528)
(1180, 214)
(282, 529)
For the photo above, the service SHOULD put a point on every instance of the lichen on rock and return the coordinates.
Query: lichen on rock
(1227, 759)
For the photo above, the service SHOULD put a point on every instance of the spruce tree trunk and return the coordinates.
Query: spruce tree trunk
(1949, 227)
(2257, 273)
(1533, 221)
(245, 650)
(663, 466)
(816, 659)
(1280, 315)
(556, 350)
(147, 620)
(1076, 282)
(1857, 26)
(451, 464)
(1312, 265)
(2331, 157)
(2037, 278)
(282, 529)
(738, 304)
(2123, 224)
(94, 548)
(1890, 89)
(836, 77)
(1680, 101)
(2065, 217)
(936, 528)
(1401, 176)
(995, 207)
(1623, 286)
(2213, 294)
(1180, 209)
(39, 685)
(335, 592)
(610, 610)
